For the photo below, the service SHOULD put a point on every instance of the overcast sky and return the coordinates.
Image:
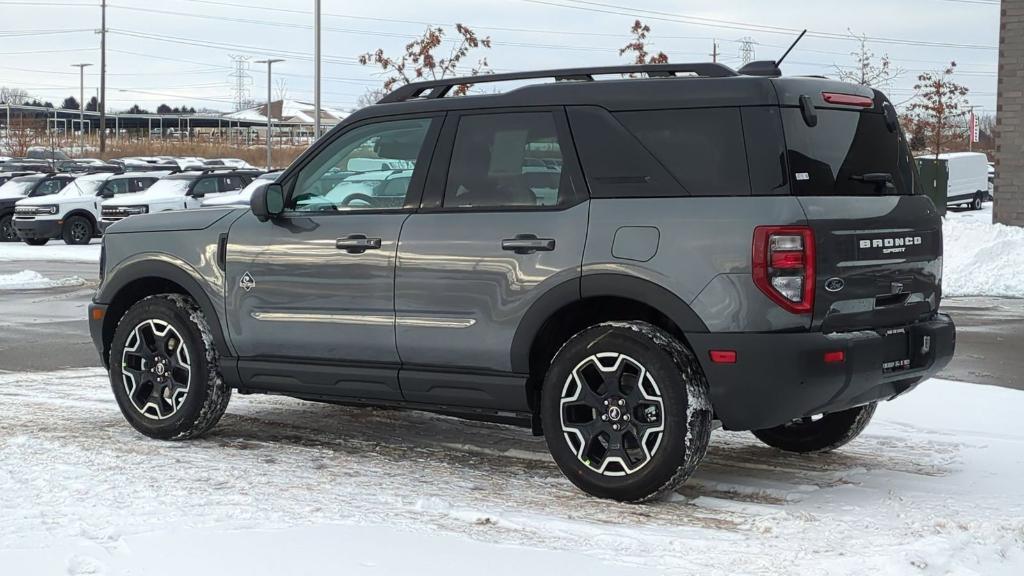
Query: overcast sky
(179, 51)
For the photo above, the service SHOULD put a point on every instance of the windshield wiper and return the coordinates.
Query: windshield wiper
(878, 179)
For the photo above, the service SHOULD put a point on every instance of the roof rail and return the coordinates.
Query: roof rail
(439, 88)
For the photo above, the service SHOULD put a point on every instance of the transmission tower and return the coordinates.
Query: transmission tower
(747, 49)
(241, 82)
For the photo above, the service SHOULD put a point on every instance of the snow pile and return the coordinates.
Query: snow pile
(283, 486)
(32, 280)
(54, 251)
(982, 258)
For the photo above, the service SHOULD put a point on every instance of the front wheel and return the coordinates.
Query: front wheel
(164, 369)
(36, 241)
(821, 433)
(626, 411)
(7, 233)
(77, 230)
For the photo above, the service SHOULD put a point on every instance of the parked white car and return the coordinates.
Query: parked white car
(242, 197)
(73, 214)
(179, 191)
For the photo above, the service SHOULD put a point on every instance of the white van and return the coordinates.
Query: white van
(966, 177)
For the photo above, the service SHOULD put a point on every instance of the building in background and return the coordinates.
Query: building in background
(1009, 187)
(291, 115)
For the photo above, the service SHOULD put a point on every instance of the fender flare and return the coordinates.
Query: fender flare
(592, 286)
(166, 268)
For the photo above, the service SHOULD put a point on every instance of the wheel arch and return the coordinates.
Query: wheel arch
(143, 278)
(574, 305)
(85, 214)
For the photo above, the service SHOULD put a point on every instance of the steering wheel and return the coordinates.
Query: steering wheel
(358, 197)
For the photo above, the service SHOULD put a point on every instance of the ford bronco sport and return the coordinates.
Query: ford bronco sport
(620, 264)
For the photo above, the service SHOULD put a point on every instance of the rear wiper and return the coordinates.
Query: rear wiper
(879, 179)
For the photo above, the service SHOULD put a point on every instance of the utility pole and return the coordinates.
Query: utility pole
(101, 105)
(714, 50)
(316, 73)
(81, 107)
(270, 112)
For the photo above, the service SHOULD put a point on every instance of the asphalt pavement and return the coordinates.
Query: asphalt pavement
(46, 329)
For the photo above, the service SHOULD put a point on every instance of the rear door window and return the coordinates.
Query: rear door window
(231, 183)
(702, 148)
(844, 154)
(206, 186)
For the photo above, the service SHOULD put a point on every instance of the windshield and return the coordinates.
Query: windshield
(170, 187)
(83, 186)
(16, 187)
(848, 153)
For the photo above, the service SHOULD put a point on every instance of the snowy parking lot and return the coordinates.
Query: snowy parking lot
(282, 486)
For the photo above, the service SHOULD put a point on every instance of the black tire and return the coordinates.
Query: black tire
(7, 233)
(649, 463)
(35, 241)
(819, 434)
(77, 230)
(206, 395)
(977, 203)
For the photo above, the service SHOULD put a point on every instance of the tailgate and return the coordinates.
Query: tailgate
(879, 260)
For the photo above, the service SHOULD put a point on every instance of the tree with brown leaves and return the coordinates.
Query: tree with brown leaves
(637, 48)
(940, 108)
(420, 63)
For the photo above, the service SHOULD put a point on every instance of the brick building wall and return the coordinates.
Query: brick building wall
(1009, 189)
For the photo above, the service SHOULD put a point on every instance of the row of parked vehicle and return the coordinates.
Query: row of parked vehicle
(36, 207)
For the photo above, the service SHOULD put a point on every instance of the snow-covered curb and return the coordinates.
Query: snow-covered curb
(982, 258)
(32, 280)
(55, 250)
(287, 487)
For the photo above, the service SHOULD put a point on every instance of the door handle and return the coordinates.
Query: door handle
(357, 244)
(528, 244)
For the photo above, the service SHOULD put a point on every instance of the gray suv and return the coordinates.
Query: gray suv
(620, 264)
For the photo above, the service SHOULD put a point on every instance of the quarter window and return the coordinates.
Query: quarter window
(368, 168)
(506, 161)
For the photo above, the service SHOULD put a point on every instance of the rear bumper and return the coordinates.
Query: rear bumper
(37, 229)
(779, 377)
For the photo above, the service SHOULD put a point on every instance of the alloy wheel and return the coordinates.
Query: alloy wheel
(155, 369)
(612, 414)
(79, 231)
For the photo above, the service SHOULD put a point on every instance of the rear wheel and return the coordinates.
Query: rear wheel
(976, 204)
(164, 369)
(36, 241)
(626, 411)
(7, 233)
(77, 230)
(821, 433)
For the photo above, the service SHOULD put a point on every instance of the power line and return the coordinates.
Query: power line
(599, 7)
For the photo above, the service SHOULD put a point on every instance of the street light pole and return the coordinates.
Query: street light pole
(316, 73)
(81, 106)
(269, 62)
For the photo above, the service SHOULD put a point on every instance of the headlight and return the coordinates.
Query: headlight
(132, 210)
(125, 210)
(36, 210)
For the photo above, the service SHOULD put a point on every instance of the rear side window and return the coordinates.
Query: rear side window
(498, 161)
(231, 183)
(702, 148)
(844, 154)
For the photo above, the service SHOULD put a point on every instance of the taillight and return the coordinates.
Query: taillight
(783, 259)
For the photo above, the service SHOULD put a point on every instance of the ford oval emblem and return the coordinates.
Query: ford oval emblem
(834, 284)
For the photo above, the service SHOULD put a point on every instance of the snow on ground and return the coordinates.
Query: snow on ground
(282, 486)
(32, 280)
(55, 250)
(982, 258)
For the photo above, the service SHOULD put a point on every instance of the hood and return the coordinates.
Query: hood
(172, 221)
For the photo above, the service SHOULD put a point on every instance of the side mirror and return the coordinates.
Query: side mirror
(197, 194)
(267, 202)
(106, 193)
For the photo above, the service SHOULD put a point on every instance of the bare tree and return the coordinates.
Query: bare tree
(25, 131)
(419, 62)
(637, 47)
(940, 108)
(9, 95)
(370, 97)
(866, 71)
